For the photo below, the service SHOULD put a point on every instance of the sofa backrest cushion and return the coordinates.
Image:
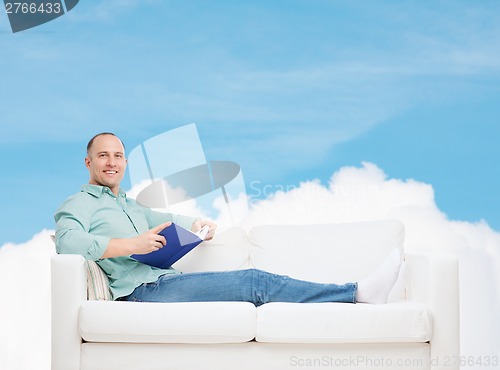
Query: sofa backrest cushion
(228, 250)
(325, 253)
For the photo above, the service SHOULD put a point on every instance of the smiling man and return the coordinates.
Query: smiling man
(102, 224)
(106, 161)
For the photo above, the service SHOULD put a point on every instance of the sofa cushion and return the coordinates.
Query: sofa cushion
(147, 322)
(97, 282)
(343, 323)
(228, 250)
(337, 253)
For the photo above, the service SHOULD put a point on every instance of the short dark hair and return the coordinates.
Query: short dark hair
(91, 142)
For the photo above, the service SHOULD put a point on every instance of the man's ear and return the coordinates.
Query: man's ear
(87, 162)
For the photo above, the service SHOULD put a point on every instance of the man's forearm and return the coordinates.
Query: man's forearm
(119, 247)
(147, 242)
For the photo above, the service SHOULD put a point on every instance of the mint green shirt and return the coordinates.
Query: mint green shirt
(88, 220)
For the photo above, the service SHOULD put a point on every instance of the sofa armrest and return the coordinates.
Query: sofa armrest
(69, 290)
(433, 280)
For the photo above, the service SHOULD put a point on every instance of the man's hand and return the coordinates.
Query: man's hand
(150, 241)
(197, 225)
(145, 243)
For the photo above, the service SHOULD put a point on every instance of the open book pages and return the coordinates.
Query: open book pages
(202, 233)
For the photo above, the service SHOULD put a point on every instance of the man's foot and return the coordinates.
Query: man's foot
(376, 287)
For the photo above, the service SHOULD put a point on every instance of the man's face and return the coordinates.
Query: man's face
(106, 162)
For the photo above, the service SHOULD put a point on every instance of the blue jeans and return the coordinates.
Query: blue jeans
(255, 286)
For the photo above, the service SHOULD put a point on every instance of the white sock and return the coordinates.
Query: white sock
(376, 287)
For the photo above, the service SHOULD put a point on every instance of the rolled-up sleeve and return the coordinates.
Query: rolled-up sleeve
(72, 232)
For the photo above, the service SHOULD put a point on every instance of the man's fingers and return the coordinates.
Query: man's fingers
(160, 227)
(157, 242)
(161, 239)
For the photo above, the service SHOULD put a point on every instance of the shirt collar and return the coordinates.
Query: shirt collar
(98, 190)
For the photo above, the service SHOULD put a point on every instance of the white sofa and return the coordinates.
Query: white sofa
(417, 329)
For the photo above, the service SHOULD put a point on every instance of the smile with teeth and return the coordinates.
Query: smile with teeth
(110, 172)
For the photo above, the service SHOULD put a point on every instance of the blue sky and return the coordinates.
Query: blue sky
(291, 90)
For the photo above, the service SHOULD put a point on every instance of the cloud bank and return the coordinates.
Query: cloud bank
(352, 194)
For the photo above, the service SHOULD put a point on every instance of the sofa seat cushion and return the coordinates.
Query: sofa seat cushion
(343, 323)
(147, 322)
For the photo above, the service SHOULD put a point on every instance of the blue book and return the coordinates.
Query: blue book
(180, 241)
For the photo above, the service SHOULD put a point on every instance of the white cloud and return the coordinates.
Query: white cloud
(25, 308)
(353, 194)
